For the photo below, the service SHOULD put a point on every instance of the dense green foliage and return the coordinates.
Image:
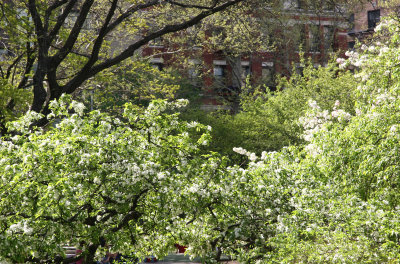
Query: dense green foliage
(89, 177)
(143, 182)
(334, 199)
(270, 121)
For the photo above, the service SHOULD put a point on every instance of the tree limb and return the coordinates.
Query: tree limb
(87, 72)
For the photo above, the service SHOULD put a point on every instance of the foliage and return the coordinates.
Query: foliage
(55, 47)
(10, 95)
(142, 182)
(334, 199)
(91, 177)
(269, 121)
(134, 81)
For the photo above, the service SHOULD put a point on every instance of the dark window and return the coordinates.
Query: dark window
(157, 65)
(315, 38)
(299, 35)
(219, 74)
(351, 22)
(300, 70)
(301, 4)
(245, 72)
(373, 18)
(351, 44)
(329, 38)
(268, 74)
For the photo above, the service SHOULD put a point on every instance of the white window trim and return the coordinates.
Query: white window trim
(157, 60)
(267, 64)
(219, 62)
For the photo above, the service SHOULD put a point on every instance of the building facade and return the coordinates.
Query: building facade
(318, 33)
(365, 19)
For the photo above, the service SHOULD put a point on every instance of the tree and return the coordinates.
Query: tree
(55, 46)
(332, 199)
(88, 178)
(268, 120)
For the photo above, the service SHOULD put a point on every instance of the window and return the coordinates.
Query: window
(300, 37)
(351, 22)
(245, 71)
(351, 44)
(3, 49)
(299, 69)
(268, 73)
(374, 17)
(301, 4)
(194, 70)
(329, 38)
(158, 66)
(220, 72)
(157, 63)
(314, 38)
(193, 73)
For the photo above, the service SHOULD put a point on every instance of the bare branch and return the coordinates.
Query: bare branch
(39, 29)
(73, 36)
(102, 33)
(191, 5)
(88, 71)
(131, 10)
(61, 19)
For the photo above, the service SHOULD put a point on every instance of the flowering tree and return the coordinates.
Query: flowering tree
(139, 182)
(54, 47)
(333, 199)
(270, 121)
(92, 178)
(336, 198)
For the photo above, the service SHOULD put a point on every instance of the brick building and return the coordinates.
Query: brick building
(319, 32)
(365, 19)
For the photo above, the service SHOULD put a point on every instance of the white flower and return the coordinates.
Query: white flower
(264, 155)
(313, 104)
(253, 157)
(161, 175)
(194, 188)
(192, 124)
(96, 180)
(340, 60)
(241, 151)
(78, 107)
(27, 230)
(378, 27)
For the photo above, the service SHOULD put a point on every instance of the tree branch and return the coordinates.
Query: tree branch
(39, 29)
(73, 36)
(102, 33)
(88, 71)
(61, 18)
(191, 5)
(130, 11)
